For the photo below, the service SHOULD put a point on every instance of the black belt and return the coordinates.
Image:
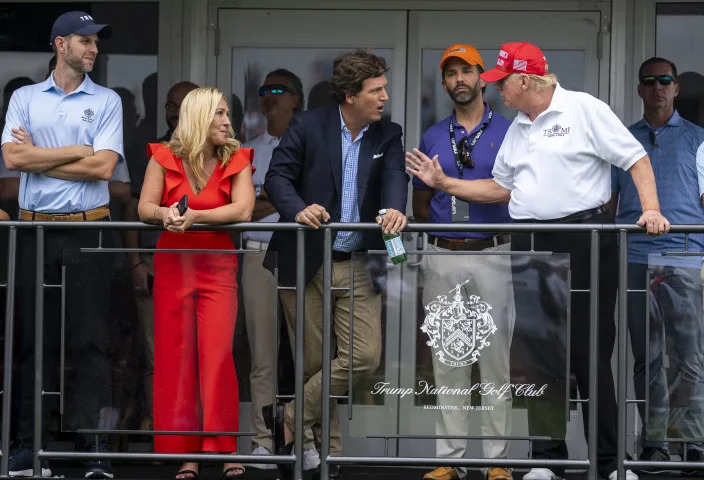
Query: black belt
(341, 256)
(578, 217)
(469, 244)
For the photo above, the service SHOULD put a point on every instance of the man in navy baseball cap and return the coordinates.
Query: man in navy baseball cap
(79, 23)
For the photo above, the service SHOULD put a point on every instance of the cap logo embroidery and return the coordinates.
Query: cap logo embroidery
(88, 115)
(503, 54)
(86, 18)
(500, 62)
(456, 50)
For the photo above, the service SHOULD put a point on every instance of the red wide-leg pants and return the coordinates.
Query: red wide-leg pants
(195, 307)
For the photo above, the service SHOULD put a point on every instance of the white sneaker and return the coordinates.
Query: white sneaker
(541, 474)
(311, 459)
(629, 475)
(261, 466)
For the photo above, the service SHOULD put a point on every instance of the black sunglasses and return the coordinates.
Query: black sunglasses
(465, 153)
(275, 89)
(661, 79)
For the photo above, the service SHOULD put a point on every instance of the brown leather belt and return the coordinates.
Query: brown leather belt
(88, 215)
(469, 244)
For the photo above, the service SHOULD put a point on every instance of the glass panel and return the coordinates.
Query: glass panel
(675, 370)
(436, 103)
(679, 34)
(312, 65)
(118, 341)
(476, 360)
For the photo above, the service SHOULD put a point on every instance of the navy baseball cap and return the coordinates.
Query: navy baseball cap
(79, 23)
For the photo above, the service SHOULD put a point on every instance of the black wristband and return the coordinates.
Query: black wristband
(141, 262)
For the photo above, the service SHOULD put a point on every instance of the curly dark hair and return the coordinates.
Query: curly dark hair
(351, 70)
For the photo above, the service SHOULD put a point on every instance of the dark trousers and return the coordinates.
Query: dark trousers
(676, 393)
(87, 380)
(542, 415)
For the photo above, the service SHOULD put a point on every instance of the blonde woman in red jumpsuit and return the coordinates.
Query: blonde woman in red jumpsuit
(195, 294)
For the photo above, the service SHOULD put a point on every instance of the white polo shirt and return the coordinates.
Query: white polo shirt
(560, 164)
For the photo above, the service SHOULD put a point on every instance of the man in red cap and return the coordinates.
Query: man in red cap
(466, 143)
(554, 167)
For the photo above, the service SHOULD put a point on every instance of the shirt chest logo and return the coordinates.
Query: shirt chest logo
(556, 130)
(88, 115)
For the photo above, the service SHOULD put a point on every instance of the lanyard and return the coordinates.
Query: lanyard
(453, 142)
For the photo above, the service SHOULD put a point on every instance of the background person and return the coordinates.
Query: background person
(195, 295)
(675, 147)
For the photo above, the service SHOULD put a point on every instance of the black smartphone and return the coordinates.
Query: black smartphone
(150, 283)
(182, 205)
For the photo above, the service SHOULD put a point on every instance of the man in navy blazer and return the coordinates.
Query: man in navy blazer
(340, 163)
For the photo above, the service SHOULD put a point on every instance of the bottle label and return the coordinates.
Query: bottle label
(395, 246)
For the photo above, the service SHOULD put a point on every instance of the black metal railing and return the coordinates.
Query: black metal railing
(589, 463)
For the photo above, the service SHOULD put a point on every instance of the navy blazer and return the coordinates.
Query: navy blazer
(306, 168)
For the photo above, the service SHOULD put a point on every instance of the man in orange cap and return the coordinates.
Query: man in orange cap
(466, 143)
(554, 166)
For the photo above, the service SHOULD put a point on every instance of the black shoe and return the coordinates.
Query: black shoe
(333, 470)
(99, 468)
(652, 454)
(694, 455)
(276, 425)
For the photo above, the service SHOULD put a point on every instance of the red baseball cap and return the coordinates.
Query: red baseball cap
(517, 57)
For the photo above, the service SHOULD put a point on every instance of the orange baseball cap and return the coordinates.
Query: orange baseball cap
(464, 52)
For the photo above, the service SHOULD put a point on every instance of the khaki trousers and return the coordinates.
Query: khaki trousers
(367, 339)
(489, 277)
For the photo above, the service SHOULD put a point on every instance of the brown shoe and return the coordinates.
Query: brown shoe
(442, 473)
(498, 473)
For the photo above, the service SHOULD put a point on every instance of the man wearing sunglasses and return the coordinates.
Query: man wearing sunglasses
(280, 98)
(675, 147)
(466, 144)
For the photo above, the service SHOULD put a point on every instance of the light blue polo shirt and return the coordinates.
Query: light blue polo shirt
(90, 115)
(674, 161)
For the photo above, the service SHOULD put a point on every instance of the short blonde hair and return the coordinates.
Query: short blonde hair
(194, 119)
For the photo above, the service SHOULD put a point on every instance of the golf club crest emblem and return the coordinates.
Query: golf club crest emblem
(458, 329)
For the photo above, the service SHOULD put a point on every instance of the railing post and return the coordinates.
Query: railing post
(327, 334)
(593, 355)
(38, 348)
(300, 331)
(9, 342)
(621, 345)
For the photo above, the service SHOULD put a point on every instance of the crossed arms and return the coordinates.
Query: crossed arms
(74, 162)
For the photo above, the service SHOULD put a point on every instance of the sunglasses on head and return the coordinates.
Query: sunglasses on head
(465, 154)
(661, 79)
(276, 89)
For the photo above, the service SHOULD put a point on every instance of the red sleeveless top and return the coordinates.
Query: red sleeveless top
(216, 193)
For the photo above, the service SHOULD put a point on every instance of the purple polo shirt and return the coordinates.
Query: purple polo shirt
(436, 141)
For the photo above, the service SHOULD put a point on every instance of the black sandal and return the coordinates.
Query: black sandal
(233, 469)
(190, 475)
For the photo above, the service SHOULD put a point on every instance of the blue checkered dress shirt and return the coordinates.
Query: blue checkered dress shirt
(349, 241)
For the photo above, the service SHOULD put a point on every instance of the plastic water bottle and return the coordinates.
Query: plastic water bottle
(393, 244)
